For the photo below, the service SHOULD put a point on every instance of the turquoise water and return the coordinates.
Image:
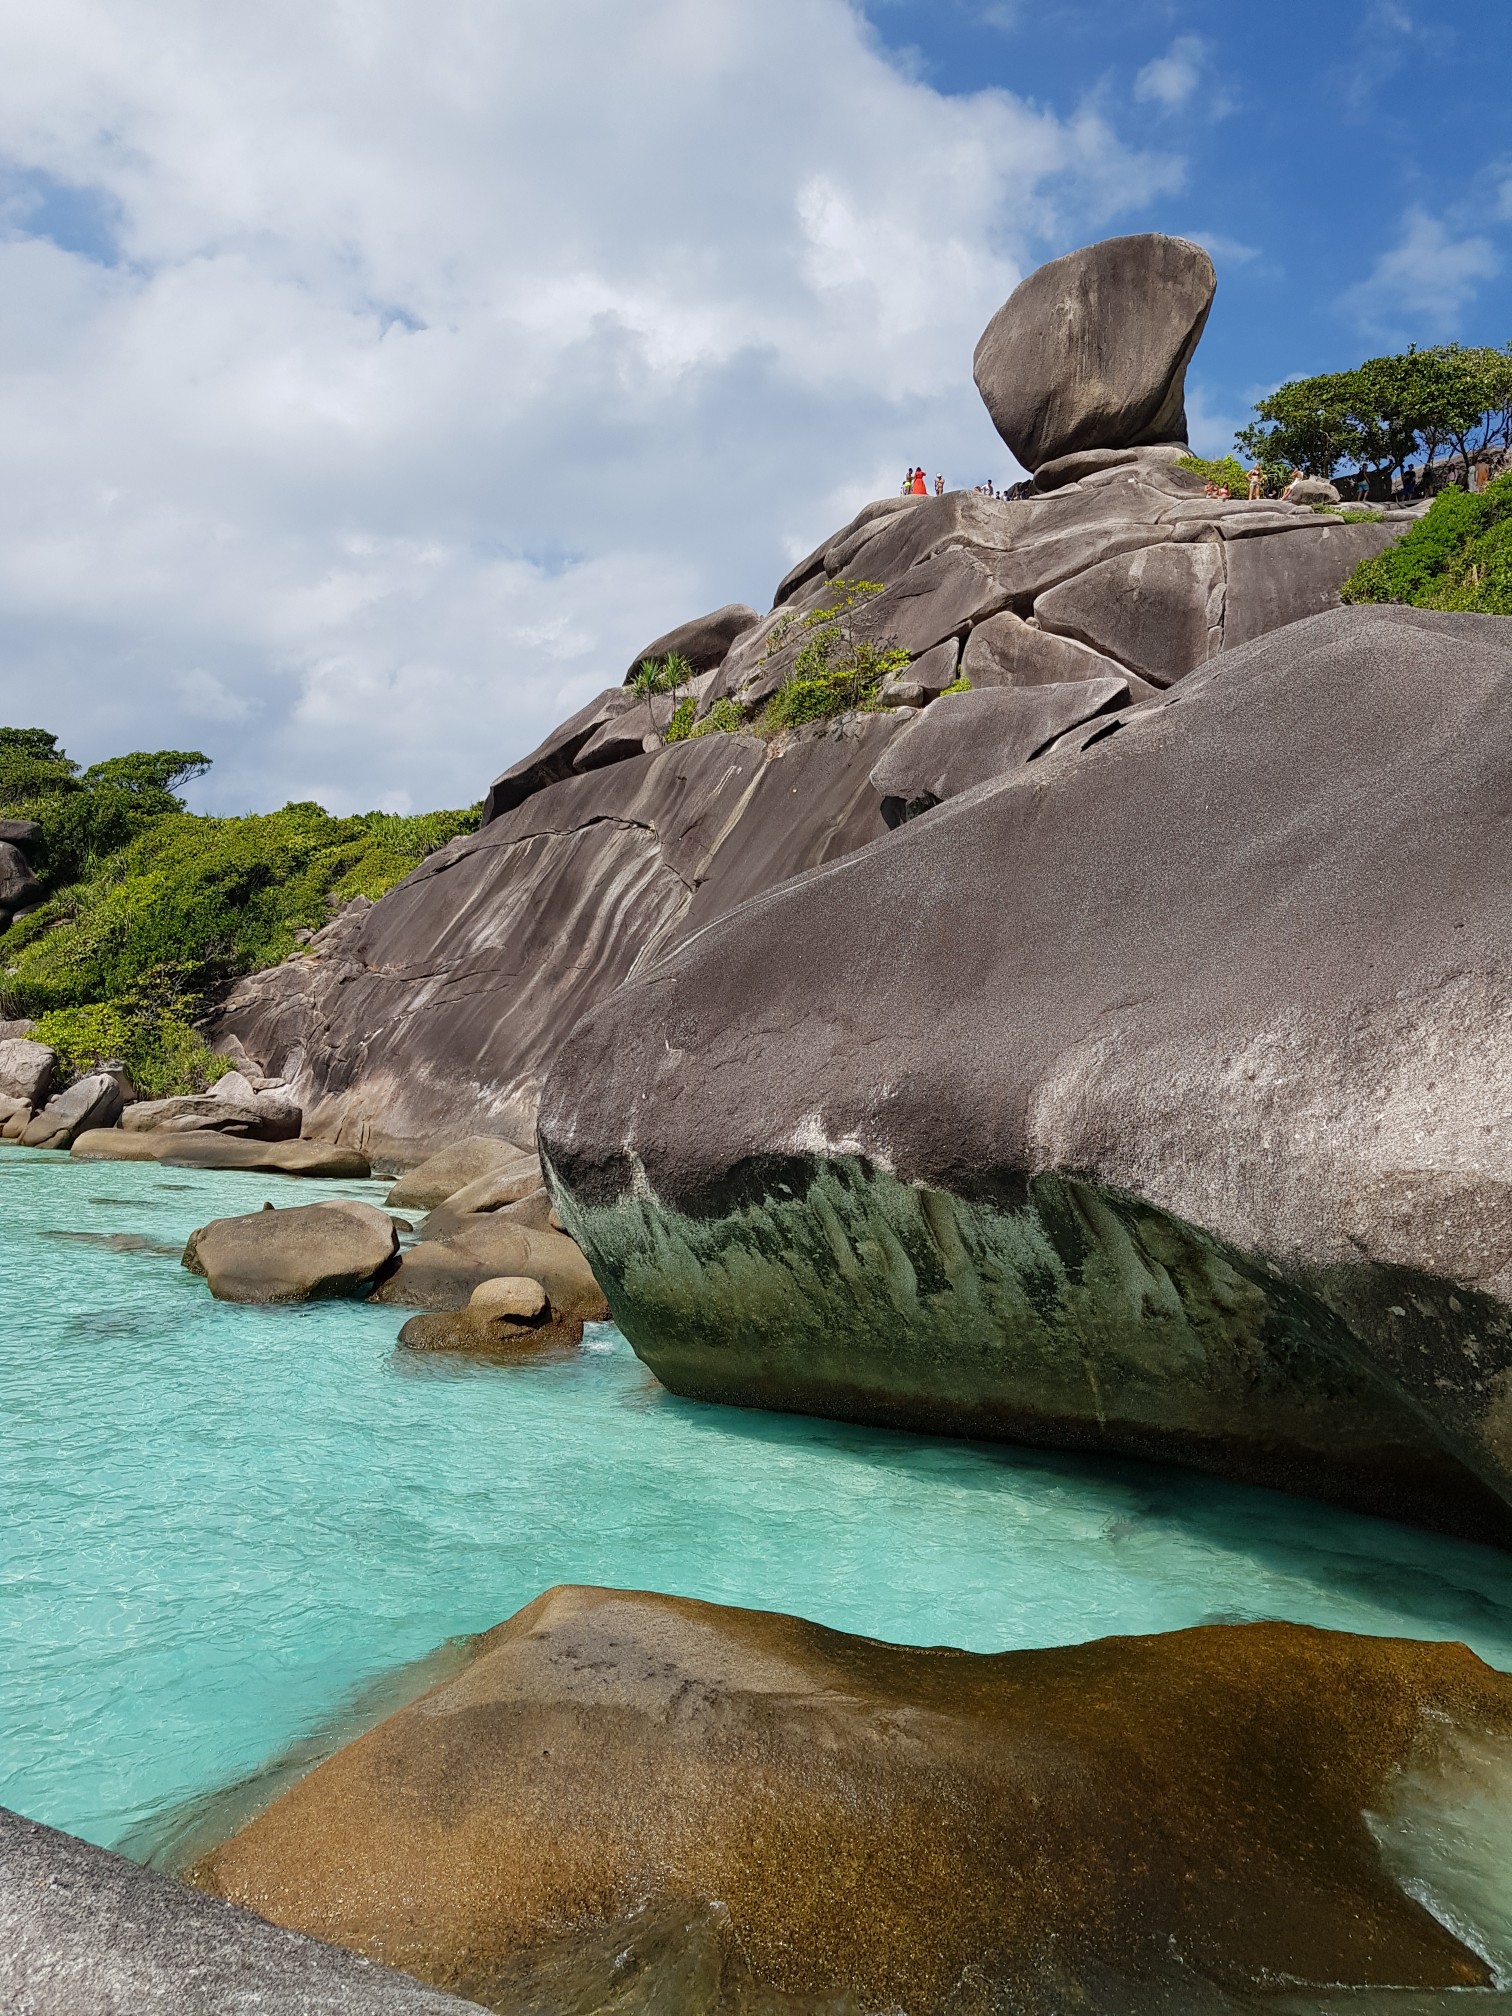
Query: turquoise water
(219, 1524)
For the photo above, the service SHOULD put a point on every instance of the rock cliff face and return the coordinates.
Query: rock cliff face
(437, 1012)
(712, 1810)
(1157, 1097)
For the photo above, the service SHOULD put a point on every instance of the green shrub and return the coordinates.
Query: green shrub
(723, 718)
(1458, 556)
(680, 727)
(834, 671)
(151, 912)
(1226, 469)
(960, 684)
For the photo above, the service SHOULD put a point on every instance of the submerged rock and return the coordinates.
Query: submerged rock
(87, 1933)
(1091, 351)
(307, 1253)
(509, 1317)
(1157, 1098)
(1097, 1826)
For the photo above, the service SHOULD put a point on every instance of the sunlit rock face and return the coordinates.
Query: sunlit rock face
(438, 1011)
(721, 1806)
(1156, 1098)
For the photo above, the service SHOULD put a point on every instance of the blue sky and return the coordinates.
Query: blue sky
(1349, 166)
(376, 379)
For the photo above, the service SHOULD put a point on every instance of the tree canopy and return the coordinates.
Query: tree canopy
(151, 911)
(1387, 412)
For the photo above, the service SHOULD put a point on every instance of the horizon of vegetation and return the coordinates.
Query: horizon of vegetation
(151, 913)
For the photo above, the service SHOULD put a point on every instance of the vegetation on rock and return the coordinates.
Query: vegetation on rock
(151, 911)
(1387, 412)
(1226, 470)
(1457, 557)
(834, 671)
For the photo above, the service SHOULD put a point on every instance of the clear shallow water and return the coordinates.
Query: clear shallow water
(218, 1524)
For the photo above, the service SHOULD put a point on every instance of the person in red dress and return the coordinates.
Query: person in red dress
(920, 486)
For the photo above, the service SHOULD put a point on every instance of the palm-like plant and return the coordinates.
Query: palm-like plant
(660, 675)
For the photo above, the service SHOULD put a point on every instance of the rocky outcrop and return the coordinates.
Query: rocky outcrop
(971, 738)
(1135, 1824)
(1091, 351)
(1156, 1098)
(307, 1253)
(92, 1101)
(704, 641)
(87, 1933)
(439, 1015)
(439, 1011)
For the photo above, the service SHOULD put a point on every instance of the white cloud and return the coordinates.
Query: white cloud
(1421, 284)
(1170, 80)
(374, 379)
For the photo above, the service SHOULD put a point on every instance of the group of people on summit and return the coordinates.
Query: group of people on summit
(916, 484)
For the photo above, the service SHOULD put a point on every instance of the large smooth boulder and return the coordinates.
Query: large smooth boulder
(704, 641)
(1148, 1824)
(1157, 1098)
(494, 1192)
(306, 1253)
(444, 1273)
(1159, 611)
(87, 1933)
(92, 1101)
(1091, 351)
(454, 1168)
(26, 1069)
(969, 738)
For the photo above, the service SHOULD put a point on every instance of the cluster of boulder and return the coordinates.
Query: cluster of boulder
(491, 1265)
(32, 1113)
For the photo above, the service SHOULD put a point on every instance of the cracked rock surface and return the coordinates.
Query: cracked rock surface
(1156, 1097)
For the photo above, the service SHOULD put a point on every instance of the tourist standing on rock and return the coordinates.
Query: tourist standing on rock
(939, 486)
(920, 486)
(908, 483)
(1256, 479)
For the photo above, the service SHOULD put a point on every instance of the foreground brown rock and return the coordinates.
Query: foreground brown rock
(926, 1830)
(306, 1253)
(1157, 1098)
